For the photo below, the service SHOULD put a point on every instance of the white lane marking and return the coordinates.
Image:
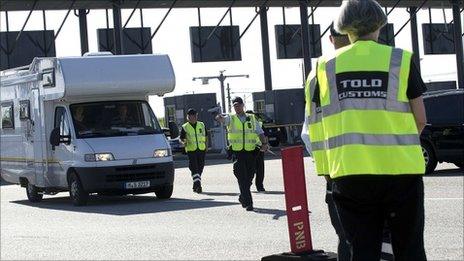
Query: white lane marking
(445, 198)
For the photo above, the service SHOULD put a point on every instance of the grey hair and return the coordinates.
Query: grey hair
(360, 17)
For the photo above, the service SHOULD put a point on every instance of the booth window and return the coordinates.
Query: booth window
(171, 113)
(7, 116)
(260, 106)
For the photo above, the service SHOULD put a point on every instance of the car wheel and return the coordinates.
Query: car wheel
(33, 193)
(429, 157)
(78, 195)
(164, 192)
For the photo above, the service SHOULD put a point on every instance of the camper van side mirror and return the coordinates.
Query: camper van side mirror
(173, 129)
(55, 137)
(166, 132)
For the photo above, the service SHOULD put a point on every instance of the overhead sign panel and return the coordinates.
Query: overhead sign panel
(135, 40)
(215, 44)
(288, 41)
(30, 44)
(438, 38)
(387, 35)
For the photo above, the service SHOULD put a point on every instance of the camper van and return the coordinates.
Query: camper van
(84, 125)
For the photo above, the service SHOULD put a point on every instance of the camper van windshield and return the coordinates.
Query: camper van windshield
(116, 118)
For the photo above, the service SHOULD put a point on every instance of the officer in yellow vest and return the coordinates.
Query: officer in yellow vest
(365, 112)
(338, 40)
(193, 135)
(242, 131)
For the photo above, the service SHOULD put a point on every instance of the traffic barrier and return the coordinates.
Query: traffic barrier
(297, 211)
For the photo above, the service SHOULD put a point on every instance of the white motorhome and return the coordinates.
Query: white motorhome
(84, 125)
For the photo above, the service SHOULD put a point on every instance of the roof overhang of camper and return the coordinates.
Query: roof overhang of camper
(24, 5)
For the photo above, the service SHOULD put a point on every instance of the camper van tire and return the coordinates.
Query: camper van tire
(77, 193)
(33, 193)
(164, 192)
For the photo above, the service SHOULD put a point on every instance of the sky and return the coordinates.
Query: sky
(173, 39)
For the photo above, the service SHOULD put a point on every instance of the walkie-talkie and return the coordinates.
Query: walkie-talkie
(248, 119)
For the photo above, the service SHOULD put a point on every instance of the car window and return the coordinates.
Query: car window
(7, 115)
(446, 109)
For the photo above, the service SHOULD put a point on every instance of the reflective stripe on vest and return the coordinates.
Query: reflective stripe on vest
(196, 138)
(366, 139)
(373, 132)
(391, 104)
(242, 136)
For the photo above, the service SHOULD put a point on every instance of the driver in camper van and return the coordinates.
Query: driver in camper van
(78, 115)
(124, 118)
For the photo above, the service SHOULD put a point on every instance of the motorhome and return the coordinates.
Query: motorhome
(84, 125)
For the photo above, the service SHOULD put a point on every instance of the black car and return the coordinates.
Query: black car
(442, 139)
(275, 134)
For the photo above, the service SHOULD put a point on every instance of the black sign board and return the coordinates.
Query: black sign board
(222, 45)
(135, 40)
(438, 38)
(387, 35)
(288, 41)
(31, 44)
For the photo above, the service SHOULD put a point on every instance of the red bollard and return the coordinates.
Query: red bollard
(297, 211)
(296, 200)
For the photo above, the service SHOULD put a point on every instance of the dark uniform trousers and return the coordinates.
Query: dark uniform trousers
(196, 161)
(244, 169)
(363, 204)
(259, 170)
(343, 250)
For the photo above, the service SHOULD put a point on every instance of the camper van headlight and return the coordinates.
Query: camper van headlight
(99, 157)
(162, 153)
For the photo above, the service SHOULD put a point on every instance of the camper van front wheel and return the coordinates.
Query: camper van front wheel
(77, 193)
(164, 192)
(33, 193)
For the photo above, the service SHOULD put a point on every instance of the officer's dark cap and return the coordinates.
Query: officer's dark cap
(237, 100)
(191, 111)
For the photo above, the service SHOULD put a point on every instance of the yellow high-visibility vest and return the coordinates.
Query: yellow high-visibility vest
(363, 124)
(195, 137)
(242, 135)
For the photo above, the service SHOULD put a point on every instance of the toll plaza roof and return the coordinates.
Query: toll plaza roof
(18, 5)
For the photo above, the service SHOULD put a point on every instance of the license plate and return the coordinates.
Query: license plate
(137, 184)
(272, 138)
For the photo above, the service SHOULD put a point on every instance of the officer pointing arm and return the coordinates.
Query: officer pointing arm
(242, 131)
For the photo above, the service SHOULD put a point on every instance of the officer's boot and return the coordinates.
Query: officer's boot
(196, 183)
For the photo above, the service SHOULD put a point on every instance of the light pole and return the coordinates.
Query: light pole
(222, 78)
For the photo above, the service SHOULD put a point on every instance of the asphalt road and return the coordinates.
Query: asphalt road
(210, 226)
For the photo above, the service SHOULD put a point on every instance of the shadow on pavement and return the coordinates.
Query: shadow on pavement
(4, 183)
(276, 213)
(183, 162)
(268, 192)
(219, 194)
(124, 205)
(446, 173)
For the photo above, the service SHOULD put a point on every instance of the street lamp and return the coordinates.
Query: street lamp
(221, 77)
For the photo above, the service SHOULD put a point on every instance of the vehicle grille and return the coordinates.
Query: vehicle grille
(135, 173)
